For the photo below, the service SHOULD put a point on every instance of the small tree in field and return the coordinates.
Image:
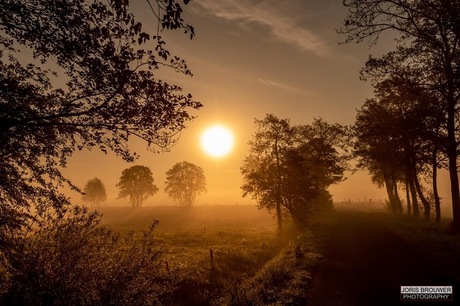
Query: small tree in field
(137, 184)
(184, 181)
(94, 192)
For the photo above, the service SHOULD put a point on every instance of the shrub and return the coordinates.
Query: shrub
(70, 259)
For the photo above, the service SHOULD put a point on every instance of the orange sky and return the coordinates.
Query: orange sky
(250, 58)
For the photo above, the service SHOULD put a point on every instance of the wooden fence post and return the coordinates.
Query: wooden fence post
(211, 254)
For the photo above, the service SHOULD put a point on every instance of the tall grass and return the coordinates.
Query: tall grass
(79, 258)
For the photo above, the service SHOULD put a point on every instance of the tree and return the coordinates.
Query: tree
(290, 167)
(262, 168)
(324, 149)
(136, 183)
(94, 192)
(184, 181)
(378, 148)
(90, 82)
(398, 137)
(430, 29)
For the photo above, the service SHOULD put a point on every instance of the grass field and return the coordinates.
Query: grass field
(174, 219)
(250, 264)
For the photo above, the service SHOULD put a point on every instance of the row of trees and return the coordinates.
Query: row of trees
(289, 168)
(411, 128)
(184, 181)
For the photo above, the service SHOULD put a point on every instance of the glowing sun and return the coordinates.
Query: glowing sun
(217, 141)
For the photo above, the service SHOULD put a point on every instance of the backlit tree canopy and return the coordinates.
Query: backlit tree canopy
(289, 168)
(184, 181)
(94, 192)
(80, 74)
(136, 183)
(428, 35)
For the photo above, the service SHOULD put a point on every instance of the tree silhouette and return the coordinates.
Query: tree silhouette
(378, 148)
(405, 112)
(429, 31)
(90, 83)
(290, 167)
(262, 168)
(94, 192)
(184, 181)
(136, 183)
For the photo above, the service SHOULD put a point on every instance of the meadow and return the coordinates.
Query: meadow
(225, 255)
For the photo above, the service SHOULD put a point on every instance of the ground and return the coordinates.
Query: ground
(344, 258)
(367, 260)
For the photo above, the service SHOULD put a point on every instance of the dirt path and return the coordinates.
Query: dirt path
(366, 263)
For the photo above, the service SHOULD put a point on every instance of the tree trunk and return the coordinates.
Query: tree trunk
(392, 191)
(389, 191)
(397, 205)
(437, 200)
(278, 188)
(413, 192)
(279, 218)
(409, 208)
(454, 188)
(425, 203)
(452, 148)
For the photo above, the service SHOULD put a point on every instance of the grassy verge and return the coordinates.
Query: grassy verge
(250, 264)
(435, 241)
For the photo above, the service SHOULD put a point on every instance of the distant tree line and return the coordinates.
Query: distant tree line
(183, 183)
(410, 129)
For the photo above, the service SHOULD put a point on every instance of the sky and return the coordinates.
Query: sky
(250, 58)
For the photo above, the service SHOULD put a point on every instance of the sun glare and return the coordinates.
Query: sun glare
(217, 141)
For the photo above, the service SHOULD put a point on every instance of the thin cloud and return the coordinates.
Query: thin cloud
(277, 84)
(282, 20)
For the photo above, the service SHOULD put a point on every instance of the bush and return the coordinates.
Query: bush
(70, 259)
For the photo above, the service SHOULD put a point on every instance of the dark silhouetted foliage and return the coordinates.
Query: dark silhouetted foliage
(291, 167)
(76, 75)
(136, 183)
(70, 259)
(428, 33)
(184, 181)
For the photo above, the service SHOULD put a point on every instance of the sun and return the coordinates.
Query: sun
(217, 141)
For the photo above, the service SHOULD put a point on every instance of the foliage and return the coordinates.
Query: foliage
(75, 75)
(70, 259)
(136, 183)
(248, 257)
(94, 192)
(262, 168)
(184, 181)
(291, 168)
(428, 51)
(399, 136)
(283, 279)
